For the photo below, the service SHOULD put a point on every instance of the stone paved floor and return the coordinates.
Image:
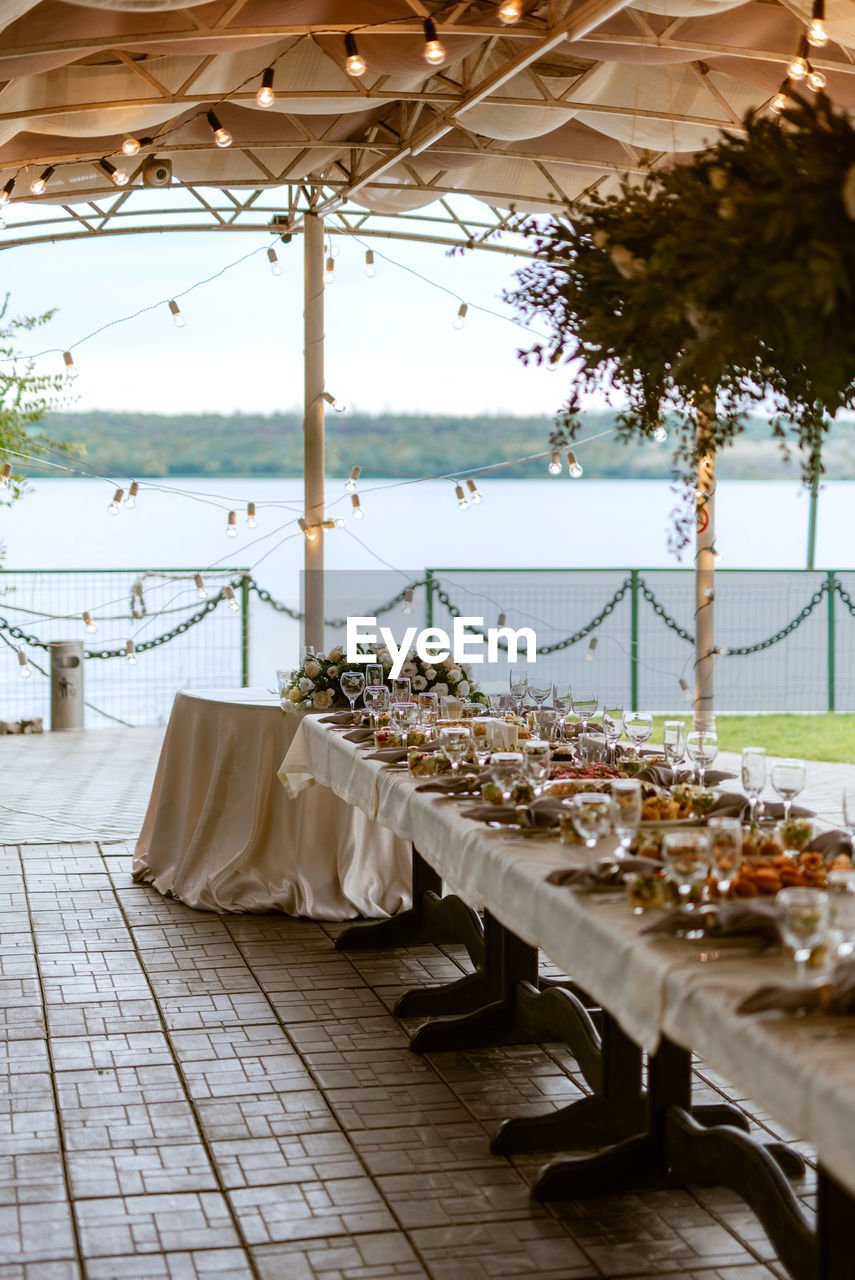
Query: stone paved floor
(186, 1095)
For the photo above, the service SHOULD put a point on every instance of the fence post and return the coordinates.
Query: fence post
(244, 632)
(633, 641)
(831, 592)
(429, 594)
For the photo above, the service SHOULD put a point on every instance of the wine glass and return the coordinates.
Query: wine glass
(562, 701)
(374, 673)
(674, 742)
(519, 684)
(753, 776)
(352, 683)
(499, 703)
(401, 689)
(726, 851)
(804, 920)
(612, 728)
(625, 812)
(540, 692)
(506, 768)
(849, 813)
(546, 724)
(788, 779)
(590, 815)
(585, 703)
(375, 699)
(638, 727)
(404, 716)
(537, 759)
(687, 856)
(702, 746)
(428, 708)
(454, 742)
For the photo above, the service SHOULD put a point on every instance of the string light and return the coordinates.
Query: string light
(434, 52)
(114, 506)
(358, 513)
(779, 102)
(308, 530)
(231, 526)
(177, 316)
(660, 435)
(329, 270)
(131, 500)
(799, 67)
(201, 589)
(118, 176)
(222, 137)
(338, 405)
(684, 685)
(509, 11)
(501, 620)
(265, 96)
(38, 185)
(816, 80)
(23, 666)
(574, 467)
(5, 474)
(591, 650)
(370, 269)
(6, 193)
(408, 600)
(275, 264)
(355, 63)
(461, 316)
(231, 600)
(131, 652)
(474, 495)
(350, 482)
(462, 500)
(251, 521)
(554, 467)
(816, 32)
(132, 146)
(71, 369)
(88, 623)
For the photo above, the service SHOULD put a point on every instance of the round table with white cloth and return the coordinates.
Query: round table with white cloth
(222, 834)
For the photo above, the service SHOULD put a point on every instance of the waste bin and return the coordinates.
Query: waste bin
(66, 684)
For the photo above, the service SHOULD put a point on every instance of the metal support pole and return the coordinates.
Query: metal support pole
(704, 717)
(244, 632)
(633, 640)
(832, 642)
(313, 428)
(814, 504)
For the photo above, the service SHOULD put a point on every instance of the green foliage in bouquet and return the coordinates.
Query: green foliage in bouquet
(316, 684)
(727, 283)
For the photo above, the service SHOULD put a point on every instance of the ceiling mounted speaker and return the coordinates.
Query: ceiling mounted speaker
(156, 172)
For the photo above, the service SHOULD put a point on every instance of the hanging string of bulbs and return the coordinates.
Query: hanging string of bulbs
(800, 68)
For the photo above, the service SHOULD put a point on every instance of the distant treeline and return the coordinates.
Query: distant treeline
(207, 444)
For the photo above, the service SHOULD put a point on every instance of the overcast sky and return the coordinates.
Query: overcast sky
(390, 341)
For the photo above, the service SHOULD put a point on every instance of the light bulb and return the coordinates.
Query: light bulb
(501, 620)
(370, 269)
(114, 506)
(6, 193)
(716, 555)
(816, 80)
(131, 500)
(474, 495)
(5, 474)
(201, 589)
(308, 530)
(461, 316)
(817, 34)
(434, 52)
(131, 652)
(687, 693)
(23, 666)
(231, 526)
(337, 404)
(231, 600)
(38, 186)
(71, 369)
(591, 649)
(118, 176)
(339, 522)
(509, 11)
(329, 270)
(251, 521)
(358, 513)
(574, 467)
(660, 435)
(462, 500)
(554, 467)
(177, 316)
(408, 601)
(778, 103)
(798, 68)
(222, 137)
(275, 264)
(130, 147)
(265, 95)
(88, 623)
(355, 63)
(350, 483)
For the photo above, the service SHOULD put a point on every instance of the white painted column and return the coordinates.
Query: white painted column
(313, 428)
(704, 717)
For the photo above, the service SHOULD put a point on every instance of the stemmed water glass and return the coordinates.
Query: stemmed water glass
(687, 856)
(804, 921)
(788, 779)
(374, 673)
(625, 812)
(537, 760)
(402, 689)
(674, 743)
(702, 746)
(428, 708)
(590, 815)
(753, 770)
(585, 703)
(612, 728)
(352, 683)
(454, 742)
(562, 701)
(404, 716)
(638, 727)
(518, 681)
(726, 851)
(849, 813)
(375, 698)
(540, 692)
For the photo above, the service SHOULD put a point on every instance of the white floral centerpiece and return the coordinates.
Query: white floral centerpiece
(316, 684)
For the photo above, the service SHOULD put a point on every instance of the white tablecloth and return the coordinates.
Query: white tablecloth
(221, 833)
(801, 1069)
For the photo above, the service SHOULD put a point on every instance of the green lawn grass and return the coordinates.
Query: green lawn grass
(829, 736)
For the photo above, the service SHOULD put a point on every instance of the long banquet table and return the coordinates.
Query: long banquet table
(659, 990)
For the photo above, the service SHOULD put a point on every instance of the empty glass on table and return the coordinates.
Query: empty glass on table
(725, 851)
(702, 746)
(540, 691)
(352, 683)
(428, 708)
(518, 683)
(753, 774)
(454, 743)
(638, 727)
(674, 742)
(537, 760)
(505, 768)
(804, 921)
(585, 703)
(625, 812)
(375, 699)
(686, 856)
(404, 716)
(591, 817)
(374, 673)
(612, 728)
(401, 689)
(848, 806)
(788, 779)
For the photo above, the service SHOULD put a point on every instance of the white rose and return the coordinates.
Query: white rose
(463, 688)
(306, 685)
(440, 690)
(312, 668)
(295, 695)
(322, 698)
(455, 674)
(409, 669)
(430, 673)
(336, 654)
(332, 672)
(419, 683)
(626, 262)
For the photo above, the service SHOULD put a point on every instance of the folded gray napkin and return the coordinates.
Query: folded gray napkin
(829, 844)
(756, 918)
(732, 805)
(359, 735)
(344, 718)
(469, 784)
(837, 996)
(540, 813)
(607, 875)
(388, 755)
